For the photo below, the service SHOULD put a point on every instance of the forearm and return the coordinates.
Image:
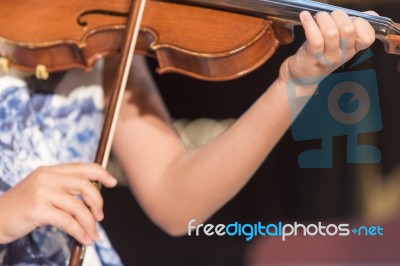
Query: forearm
(195, 184)
(214, 173)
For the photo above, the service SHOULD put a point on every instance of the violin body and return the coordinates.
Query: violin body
(205, 39)
(200, 42)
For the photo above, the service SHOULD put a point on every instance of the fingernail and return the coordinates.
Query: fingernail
(305, 15)
(113, 179)
(87, 240)
(100, 215)
(96, 236)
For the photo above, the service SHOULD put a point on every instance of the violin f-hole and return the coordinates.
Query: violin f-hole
(99, 12)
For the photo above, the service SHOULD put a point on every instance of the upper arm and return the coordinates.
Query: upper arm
(145, 141)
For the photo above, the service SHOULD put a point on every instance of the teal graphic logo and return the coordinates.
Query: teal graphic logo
(345, 104)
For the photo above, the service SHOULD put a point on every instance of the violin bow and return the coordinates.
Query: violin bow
(110, 120)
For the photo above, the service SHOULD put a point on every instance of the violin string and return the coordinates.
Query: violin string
(313, 7)
(397, 27)
(386, 22)
(381, 21)
(391, 27)
(291, 9)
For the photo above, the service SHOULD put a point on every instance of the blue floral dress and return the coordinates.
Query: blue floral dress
(46, 129)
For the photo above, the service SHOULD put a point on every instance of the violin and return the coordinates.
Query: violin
(205, 39)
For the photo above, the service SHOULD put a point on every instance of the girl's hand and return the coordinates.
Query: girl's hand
(332, 39)
(49, 195)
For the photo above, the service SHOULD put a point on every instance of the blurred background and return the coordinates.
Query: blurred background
(280, 190)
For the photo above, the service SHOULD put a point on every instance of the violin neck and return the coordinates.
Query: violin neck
(289, 10)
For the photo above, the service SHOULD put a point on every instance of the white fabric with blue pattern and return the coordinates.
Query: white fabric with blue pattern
(46, 129)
